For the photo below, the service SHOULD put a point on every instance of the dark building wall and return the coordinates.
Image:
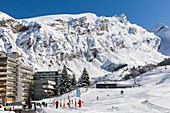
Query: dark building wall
(112, 86)
(45, 75)
(106, 85)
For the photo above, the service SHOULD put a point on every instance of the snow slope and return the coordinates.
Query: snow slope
(100, 44)
(152, 97)
(164, 33)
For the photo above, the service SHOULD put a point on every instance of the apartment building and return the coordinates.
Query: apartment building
(24, 82)
(8, 78)
(46, 84)
(15, 80)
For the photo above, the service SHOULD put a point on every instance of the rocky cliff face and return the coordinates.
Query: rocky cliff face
(100, 44)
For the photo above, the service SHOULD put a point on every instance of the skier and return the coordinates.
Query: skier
(121, 92)
(97, 97)
(35, 106)
(56, 104)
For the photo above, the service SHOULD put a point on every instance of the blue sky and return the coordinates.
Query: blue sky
(145, 13)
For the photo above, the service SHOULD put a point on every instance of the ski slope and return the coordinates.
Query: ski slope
(152, 97)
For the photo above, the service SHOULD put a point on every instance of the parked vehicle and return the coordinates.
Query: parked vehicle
(8, 107)
(1, 107)
(30, 106)
(15, 106)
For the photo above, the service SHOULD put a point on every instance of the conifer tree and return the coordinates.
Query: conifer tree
(84, 79)
(65, 85)
(64, 71)
(73, 81)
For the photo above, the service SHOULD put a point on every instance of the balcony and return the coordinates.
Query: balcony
(3, 65)
(3, 59)
(11, 80)
(28, 76)
(11, 73)
(51, 82)
(26, 67)
(26, 72)
(25, 85)
(3, 81)
(3, 75)
(3, 86)
(2, 91)
(11, 89)
(3, 70)
(10, 64)
(11, 93)
(26, 81)
(48, 87)
(12, 69)
(11, 77)
(26, 90)
(25, 95)
(11, 59)
(48, 91)
(12, 85)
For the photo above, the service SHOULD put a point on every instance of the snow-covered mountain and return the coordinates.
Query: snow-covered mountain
(100, 44)
(164, 33)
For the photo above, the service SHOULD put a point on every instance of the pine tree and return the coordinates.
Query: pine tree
(64, 71)
(84, 79)
(65, 85)
(73, 81)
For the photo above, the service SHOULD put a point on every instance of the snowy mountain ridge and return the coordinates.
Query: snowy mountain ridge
(100, 44)
(164, 33)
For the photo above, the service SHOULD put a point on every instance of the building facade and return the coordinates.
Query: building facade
(46, 84)
(8, 78)
(24, 82)
(15, 80)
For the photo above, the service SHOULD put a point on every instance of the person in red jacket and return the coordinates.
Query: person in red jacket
(56, 103)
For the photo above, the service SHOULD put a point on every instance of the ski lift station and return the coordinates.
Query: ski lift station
(113, 85)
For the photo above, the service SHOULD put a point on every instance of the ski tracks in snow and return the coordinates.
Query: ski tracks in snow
(153, 106)
(147, 107)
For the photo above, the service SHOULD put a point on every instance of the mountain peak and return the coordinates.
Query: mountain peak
(99, 44)
(4, 16)
(158, 28)
(163, 32)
